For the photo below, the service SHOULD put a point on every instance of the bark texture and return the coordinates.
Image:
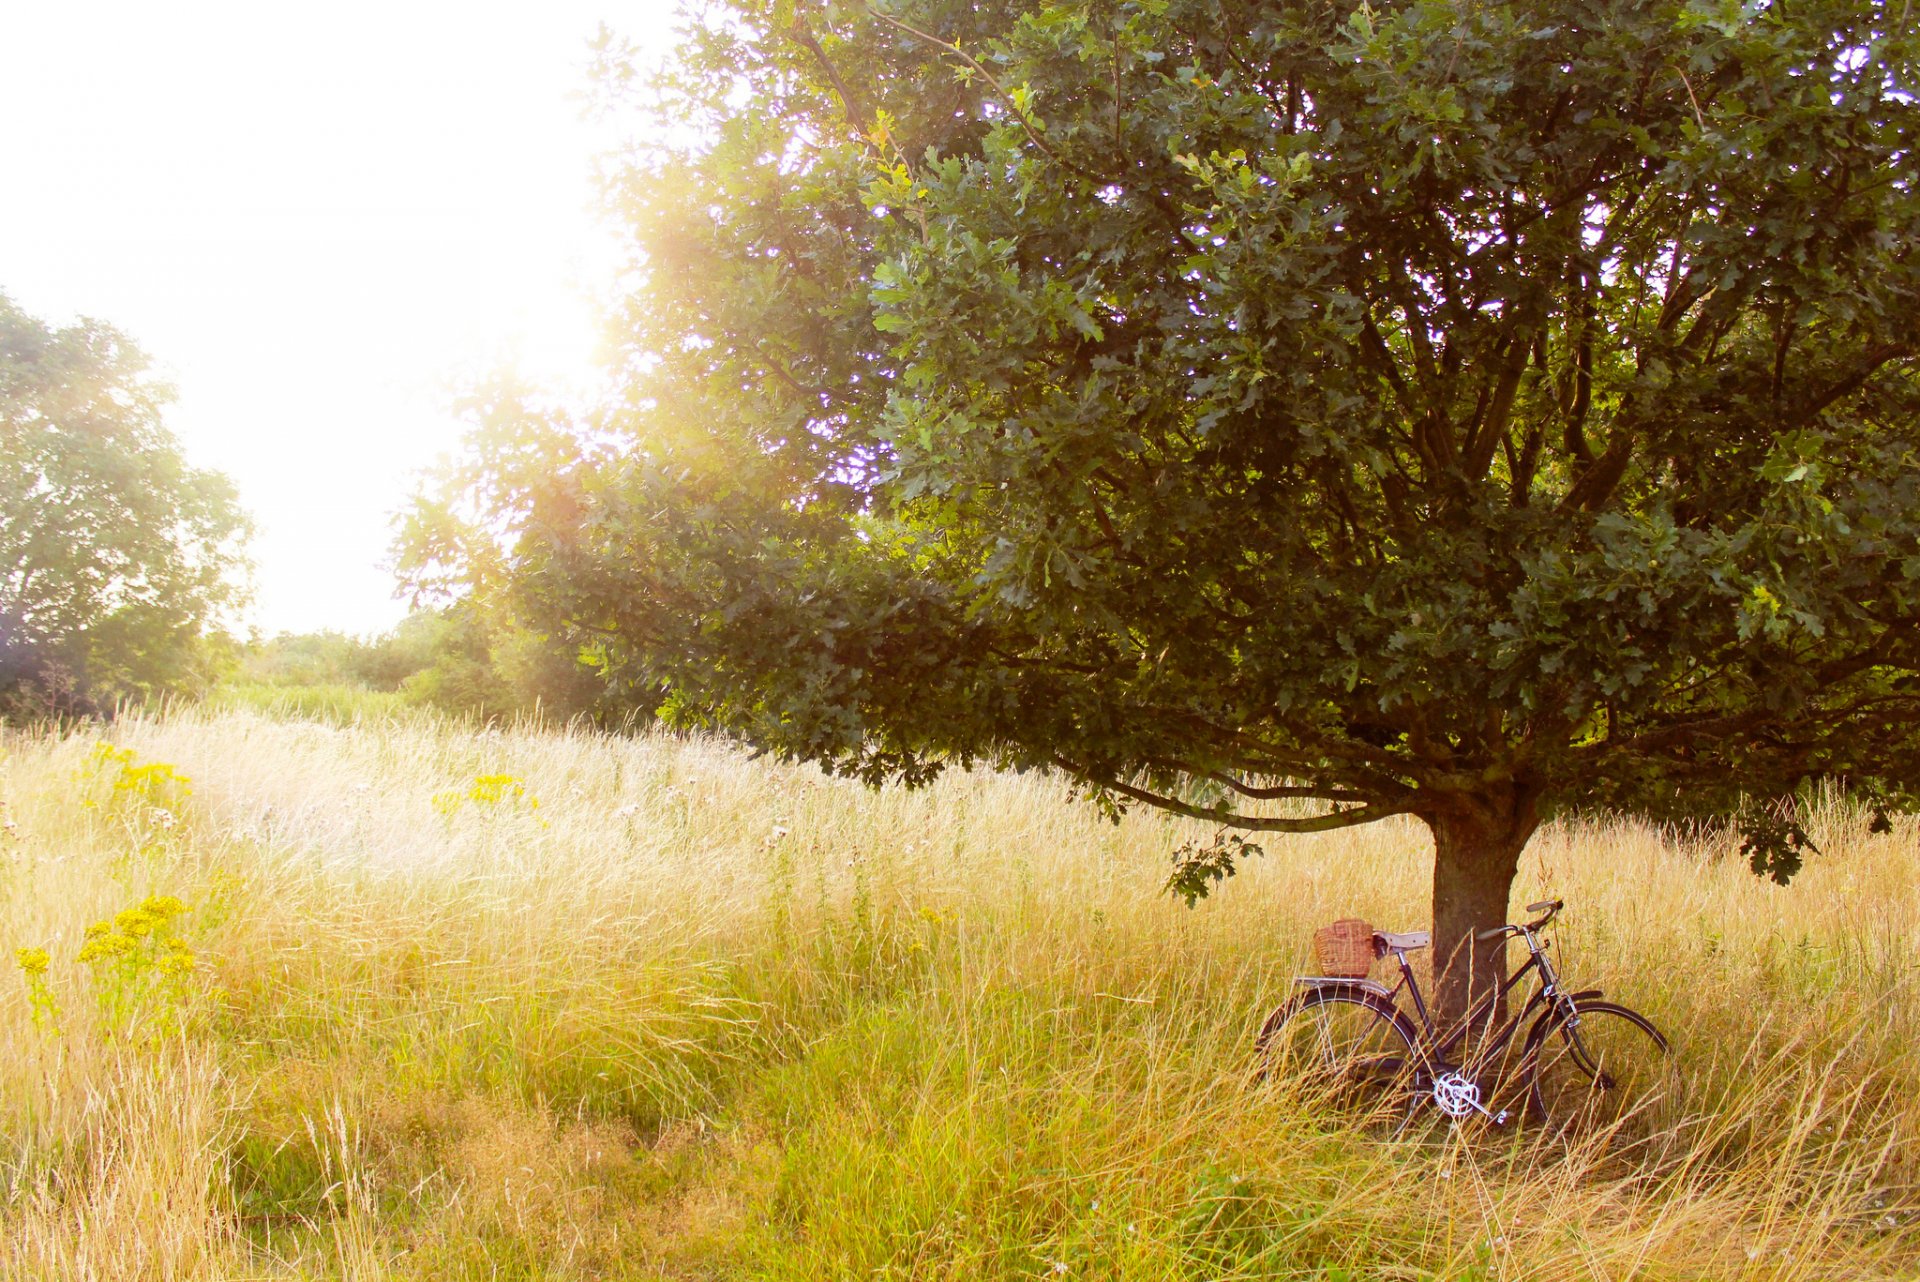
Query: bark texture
(1477, 844)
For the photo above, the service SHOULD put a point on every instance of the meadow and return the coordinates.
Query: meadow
(394, 997)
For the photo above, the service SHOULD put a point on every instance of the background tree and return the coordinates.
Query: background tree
(116, 556)
(454, 658)
(1284, 414)
(483, 645)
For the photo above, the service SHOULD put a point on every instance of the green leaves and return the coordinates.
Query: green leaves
(115, 554)
(1197, 869)
(1357, 409)
(1774, 844)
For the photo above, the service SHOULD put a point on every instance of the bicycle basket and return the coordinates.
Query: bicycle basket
(1344, 949)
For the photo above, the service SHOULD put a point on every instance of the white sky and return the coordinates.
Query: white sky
(314, 218)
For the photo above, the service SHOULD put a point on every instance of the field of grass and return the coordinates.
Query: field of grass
(437, 1002)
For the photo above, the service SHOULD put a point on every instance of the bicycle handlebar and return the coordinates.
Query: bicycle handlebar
(1547, 907)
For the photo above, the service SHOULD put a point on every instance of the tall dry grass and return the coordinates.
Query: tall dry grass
(692, 1016)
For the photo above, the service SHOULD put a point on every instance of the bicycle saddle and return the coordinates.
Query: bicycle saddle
(1405, 943)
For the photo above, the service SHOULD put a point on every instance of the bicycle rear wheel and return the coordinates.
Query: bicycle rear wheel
(1607, 1075)
(1353, 1050)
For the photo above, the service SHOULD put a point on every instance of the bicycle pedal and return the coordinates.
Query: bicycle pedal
(1500, 1118)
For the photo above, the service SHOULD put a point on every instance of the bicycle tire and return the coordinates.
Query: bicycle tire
(1608, 1076)
(1351, 1048)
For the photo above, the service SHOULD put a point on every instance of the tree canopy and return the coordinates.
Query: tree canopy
(1288, 414)
(116, 555)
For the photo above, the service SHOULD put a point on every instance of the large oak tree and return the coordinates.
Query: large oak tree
(1286, 414)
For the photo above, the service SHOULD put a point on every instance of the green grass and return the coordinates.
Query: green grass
(341, 705)
(694, 1017)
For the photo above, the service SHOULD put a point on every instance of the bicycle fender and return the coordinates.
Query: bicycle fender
(1538, 1033)
(1364, 992)
(1536, 1001)
(1334, 983)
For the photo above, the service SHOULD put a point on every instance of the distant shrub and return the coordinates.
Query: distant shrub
(333, 703)
(454, 660)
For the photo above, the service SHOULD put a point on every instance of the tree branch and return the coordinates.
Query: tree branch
(858, 114)
(1282, 792)
(1483, 441)
(1869, 365)
(1026, 122)
(1220, 815)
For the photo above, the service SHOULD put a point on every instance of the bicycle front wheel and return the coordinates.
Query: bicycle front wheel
(1605, 1073)
(1352, 1049)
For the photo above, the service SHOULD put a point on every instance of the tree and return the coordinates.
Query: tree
(496, 649)
(468, 662)
(1283, 414)
(115, 555)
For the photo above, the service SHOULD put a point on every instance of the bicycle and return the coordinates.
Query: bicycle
(1585, 1065)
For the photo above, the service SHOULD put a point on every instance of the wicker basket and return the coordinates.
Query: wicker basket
(1345, 948)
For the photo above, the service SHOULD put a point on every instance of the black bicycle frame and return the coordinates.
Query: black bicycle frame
(1438, 1054)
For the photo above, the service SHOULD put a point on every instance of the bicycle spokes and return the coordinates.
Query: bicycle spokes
(1350, 1053)
(1607, 1076)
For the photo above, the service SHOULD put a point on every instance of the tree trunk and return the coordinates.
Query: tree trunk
(1477, 844)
